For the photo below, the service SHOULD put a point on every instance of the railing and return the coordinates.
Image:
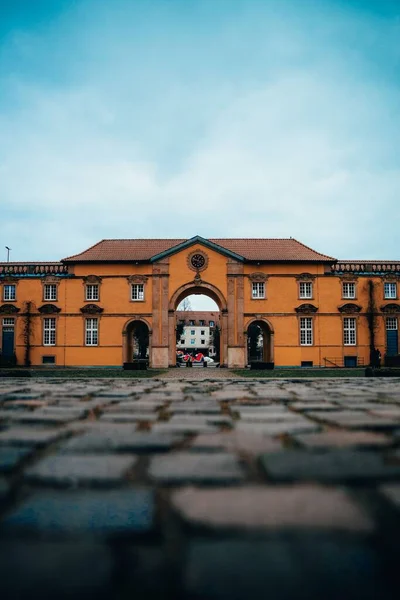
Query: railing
(340, 362)
(366, 267)
(22, 269)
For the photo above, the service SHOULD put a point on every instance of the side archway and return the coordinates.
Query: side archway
(136, 340)
(259, 335)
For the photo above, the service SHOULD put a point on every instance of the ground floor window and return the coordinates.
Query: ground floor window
(306, 331)
(49, 331)
(349, 331)
(92, 332)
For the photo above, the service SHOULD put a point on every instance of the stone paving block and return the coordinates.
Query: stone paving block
(186, 428)
(277, 428)
(341, 439)
(117, 440)
(218, 419)
(115, 393)
(354, 420)
(130, 417)
(11, 457)
(181, 467)
(105, 512)
(72, 469)
(135, 406)
(24, 396)
(271, 508)
(304, 406)
(48, 571)
(194, 408)
(301, 569)
(236, 441)
(16, 436)
(392, 492)
(43, 418)
(10, 404)
(330, 466)
(270, 417)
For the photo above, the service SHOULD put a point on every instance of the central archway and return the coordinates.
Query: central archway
(205, 289)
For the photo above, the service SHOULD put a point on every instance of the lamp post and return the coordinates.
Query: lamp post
(8, 253)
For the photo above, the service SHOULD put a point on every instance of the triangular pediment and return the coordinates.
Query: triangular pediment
(197, 239)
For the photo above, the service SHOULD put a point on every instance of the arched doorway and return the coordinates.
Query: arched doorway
(205, 290)
(136, 341)
(260, 341)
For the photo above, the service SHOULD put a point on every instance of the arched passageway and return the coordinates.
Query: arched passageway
(219, 333)
(136, 341)
(260, 341)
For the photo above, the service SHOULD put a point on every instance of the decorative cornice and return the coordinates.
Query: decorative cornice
(306, 308)
(38, 269)
(257, 276)
(305, 277)
(92, 279)
(349, 308)
(50, 279)
(9, 279)
(49, 309)
(367, 267)
(9, 309)
(91, 309)
(389, 278)
(137, 278)
(348, 277)
(391, 308)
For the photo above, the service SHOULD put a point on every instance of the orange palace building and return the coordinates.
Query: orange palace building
(313, 310)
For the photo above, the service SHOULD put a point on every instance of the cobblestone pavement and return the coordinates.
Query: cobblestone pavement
(186, 489)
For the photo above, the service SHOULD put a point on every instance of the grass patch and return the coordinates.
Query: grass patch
(300, 373)
(80, 373)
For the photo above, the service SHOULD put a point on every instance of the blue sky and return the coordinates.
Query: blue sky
(223, 118)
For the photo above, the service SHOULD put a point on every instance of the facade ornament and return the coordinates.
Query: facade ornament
(9, 279)
(392, 308)
(137, 278)
(50, 279)
(49, 309)
(258, 276)
(306, 309)
(305, 277)
(390, 278)
(347, 277)
(349, 308)
(197, 279)
(9, 309)
(197, 260)
(92, 279)
(91, 309)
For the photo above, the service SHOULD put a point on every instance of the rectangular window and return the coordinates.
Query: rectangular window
(258, 290)
(182, 321)
(192, 332)
(92, 332)
(390, 290)
(182, 340)
(48, 360)
(192, 342)
(391, 323)
(305, 289)
(137, 291)
(50, 291)
(49, 331)
(202, 342)
(349, 290)
(92, 291)
(9, 292)
(191, 323)
(202, 322)
(202, 332)
(306, 331)
(349, 331)
(212, 324)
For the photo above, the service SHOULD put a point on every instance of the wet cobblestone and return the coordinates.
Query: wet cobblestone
(199, 485)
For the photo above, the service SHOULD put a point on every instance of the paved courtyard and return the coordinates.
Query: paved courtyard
(199, 485)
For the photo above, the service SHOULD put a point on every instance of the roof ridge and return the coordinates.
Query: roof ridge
(90, 248)
(312, 249)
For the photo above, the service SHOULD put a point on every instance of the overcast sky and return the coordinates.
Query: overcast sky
(223, 118)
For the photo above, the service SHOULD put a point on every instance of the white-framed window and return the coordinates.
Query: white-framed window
(137, 291)
(348, 289)
(391, 324)
(202, 342)
(306, 331)
(8, 324)
(9, 292)
(349, 331)
(202, 332)
(305, 289)
(50, 291)
(92, 291)
(258, 290)
(211, 323)
(192, 332)
(192, 341)
(49, 331)
(92, 332)
(390, 290)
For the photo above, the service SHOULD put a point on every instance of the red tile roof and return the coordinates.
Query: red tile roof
(259, 249)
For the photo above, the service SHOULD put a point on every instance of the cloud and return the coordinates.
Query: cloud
(305, 148)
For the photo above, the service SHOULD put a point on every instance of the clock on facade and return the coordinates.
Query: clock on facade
(197, 260)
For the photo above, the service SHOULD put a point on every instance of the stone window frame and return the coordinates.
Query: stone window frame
(258, 278)
(49, 330)
(390, 282)
(137, 280)
(49, 280)
(312, 320)
(345, 318)
(347, 296)
(86, 330)
(6, 285)
(88, 282)
(305, 278)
